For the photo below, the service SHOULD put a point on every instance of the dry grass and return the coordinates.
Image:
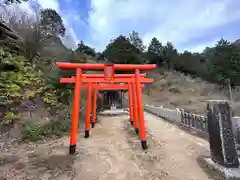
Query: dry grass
(175, 90)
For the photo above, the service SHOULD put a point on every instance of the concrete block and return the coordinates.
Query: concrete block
(220, 171)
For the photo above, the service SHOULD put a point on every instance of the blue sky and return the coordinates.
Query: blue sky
(188, 24)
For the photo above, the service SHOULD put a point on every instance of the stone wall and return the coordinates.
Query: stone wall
(169, 114)
(195, 122)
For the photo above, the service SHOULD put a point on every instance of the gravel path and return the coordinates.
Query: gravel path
(181, 149)
(113, 152)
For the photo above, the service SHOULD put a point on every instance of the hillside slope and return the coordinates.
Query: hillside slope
(173, 89)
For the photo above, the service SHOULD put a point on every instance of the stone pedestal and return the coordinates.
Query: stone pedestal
(218, 171)
(221, 139)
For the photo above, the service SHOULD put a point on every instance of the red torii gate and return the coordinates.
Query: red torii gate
(108, 78)
(131, 92)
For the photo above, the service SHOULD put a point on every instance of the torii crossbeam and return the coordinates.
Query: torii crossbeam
(108, 80)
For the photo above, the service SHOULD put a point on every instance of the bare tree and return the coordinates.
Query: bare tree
(52, 22)
(30, 28)
(14, 1)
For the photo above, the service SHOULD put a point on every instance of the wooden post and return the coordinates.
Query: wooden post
(221, 139)
(75, 112)
(88, 110)
(140, 110)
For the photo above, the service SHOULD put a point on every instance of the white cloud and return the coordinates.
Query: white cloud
(76, 17)
(201, 47)
(176, 21)
(70, 39)
(53, 4)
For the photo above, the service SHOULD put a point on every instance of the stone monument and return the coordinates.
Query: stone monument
(224, 158)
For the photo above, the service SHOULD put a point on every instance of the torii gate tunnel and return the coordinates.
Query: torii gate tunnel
(107, 81)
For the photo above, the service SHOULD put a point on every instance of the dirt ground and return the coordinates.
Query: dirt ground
(112, 152)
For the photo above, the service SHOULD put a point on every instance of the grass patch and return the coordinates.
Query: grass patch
(174, 90)
(34, 130)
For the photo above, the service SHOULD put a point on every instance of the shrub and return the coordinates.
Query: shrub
(34, 130)
(17, 84)
(174, 90)
(9, 118)
(60, 125)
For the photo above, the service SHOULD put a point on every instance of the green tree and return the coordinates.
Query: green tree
(155, 52)
(52, 23)
(226, 62)
(135, 39)
(169, 54)
(85, 49)
(120, 50)
(217, 64)
(187, 63)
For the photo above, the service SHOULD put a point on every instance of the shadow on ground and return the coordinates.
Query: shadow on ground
(42, 163)
(150, 159)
